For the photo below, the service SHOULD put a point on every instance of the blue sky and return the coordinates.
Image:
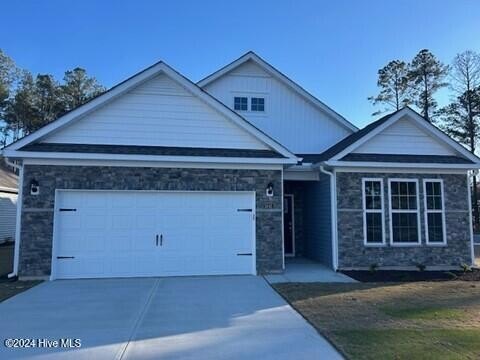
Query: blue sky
(331, 48)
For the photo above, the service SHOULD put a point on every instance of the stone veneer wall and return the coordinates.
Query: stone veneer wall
(37, 211)
(353, 254)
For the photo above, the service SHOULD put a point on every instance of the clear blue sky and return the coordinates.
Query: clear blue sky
(332, 48)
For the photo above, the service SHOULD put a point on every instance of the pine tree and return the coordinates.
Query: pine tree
(426, 75)
(394, 86)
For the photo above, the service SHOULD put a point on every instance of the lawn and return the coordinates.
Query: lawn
(12, 288)
(418, 320)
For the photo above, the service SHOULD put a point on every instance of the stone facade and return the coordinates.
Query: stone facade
(352, 253)
(37, 211)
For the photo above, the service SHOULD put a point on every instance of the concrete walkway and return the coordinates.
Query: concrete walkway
(228, 317)
(304, 270)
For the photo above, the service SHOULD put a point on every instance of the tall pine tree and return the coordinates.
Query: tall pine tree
(426, 75)
(461, 118)
(394, 87)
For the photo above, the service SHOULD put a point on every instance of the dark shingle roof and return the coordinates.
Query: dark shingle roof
(149, 150)
(401, 158)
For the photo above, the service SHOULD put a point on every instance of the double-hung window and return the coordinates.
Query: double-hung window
(434, 211)
(240, 103)
(404, 212)
(373, 215)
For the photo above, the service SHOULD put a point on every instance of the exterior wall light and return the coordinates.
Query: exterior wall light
(34, 187)
(269, 190)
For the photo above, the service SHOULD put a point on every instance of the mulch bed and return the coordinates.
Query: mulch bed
(408, 276)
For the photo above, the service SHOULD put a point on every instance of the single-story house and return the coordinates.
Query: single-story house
(8, 202)
(161, 176)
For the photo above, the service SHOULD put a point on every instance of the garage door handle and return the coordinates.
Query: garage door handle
(156, 239)
(63, 209)
(244, 254)
(161, 239)
(65, 257)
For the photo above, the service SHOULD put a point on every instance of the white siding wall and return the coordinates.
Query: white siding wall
(8, 210)
(404, 137)
(289, 118)
(158, 113)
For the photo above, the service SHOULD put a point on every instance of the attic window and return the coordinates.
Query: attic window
(240, 103)
(258, 104)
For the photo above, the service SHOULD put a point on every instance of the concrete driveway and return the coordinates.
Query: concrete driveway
(228, 317)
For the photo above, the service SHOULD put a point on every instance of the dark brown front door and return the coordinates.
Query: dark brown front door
(288, 239)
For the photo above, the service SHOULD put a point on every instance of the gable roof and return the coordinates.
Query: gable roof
(251, 56)
(341, 152)
(132, 82)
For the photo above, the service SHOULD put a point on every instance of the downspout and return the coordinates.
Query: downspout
(18, 218)
(333, 208)
(472, 245)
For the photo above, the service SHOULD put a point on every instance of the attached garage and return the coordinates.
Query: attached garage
(146, 233)
(152, 178)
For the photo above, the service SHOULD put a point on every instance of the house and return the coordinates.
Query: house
(160, 176)
(8, 202)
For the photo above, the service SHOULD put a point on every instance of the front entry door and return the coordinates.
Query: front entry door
(288, 235)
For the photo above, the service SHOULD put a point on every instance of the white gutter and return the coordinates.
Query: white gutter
(333, 207)
(18, 219)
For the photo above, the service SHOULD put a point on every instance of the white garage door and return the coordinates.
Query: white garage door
(125, 234)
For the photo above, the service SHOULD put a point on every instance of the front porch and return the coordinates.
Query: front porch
(303, 270)
(307, 221)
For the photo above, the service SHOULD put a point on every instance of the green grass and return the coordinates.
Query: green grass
(445, 344)
(421, 320)
(426, 313)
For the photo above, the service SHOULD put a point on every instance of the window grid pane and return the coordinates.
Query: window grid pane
(434, 211)
(240, 103)
(404, 221)
(373, 212)
(257, 104)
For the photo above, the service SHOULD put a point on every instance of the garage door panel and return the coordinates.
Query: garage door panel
(95, 221)
(115, 234)
(122, 222)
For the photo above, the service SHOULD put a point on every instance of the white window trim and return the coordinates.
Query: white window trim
(376, 211)
(426, 211)
(419, 225)
(264, 104)
(241, 96)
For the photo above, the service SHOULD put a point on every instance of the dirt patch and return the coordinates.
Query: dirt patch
(409, 276)
(9, 288)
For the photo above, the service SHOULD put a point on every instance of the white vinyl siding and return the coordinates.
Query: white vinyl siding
(434, 207)
(8, 211)
(404, 212)
(288, 117)
(158, 112)
(373, 213)
(404, 137)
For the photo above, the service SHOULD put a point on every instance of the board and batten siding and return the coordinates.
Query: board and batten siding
(404, 137)
(158, 112)
(289, 118)
(8, 211)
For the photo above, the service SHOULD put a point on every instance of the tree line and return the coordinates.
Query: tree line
(28, 102)
(416, 82)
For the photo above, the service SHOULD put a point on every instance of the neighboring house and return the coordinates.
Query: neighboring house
(8, 202)
(160, 177)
